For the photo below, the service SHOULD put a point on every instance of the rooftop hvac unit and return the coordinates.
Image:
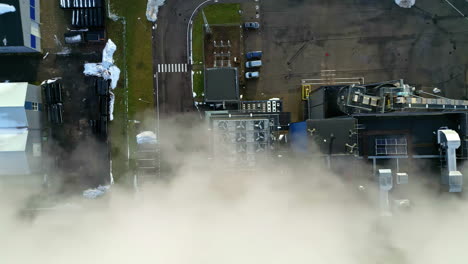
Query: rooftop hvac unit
(241, 148)
(259, 125)
(222, 125)
(240, 125)
(260, 148)
(226, 138)
(260, 137)
(241, 137)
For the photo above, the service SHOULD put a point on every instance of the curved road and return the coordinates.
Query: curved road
(172, 73)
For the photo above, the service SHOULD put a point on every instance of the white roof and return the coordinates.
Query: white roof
(13, 139)
(13, 94)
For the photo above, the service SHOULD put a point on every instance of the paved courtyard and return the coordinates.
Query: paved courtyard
(425, 45)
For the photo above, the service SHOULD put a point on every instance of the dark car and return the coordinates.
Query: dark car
(253, 55)
(251, 25)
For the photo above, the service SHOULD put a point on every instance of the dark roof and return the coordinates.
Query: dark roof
(10, 25)
(221, 84)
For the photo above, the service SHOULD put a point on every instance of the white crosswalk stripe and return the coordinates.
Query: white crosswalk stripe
(172, 67)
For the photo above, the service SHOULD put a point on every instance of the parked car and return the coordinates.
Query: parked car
(253, 55)
(253, 64)
(251, 25)
(252, 75)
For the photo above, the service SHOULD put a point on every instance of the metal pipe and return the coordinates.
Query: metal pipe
(456, 9)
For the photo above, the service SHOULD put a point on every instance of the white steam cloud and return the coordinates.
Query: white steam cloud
(295, 212)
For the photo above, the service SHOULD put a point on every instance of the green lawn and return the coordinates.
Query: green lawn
(132, 35)
(198, 84)
(215, 14)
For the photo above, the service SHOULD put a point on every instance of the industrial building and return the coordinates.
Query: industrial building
(240, 140)
(392, 126)
(221, 85)
(20, 128)
(273, 105)
(20, 26)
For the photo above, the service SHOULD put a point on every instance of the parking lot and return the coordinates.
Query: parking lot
(377, 40)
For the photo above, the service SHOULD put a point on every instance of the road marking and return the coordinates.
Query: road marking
(172, 67)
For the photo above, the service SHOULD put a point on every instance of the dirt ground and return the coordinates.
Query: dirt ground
(218, 52)
(76, 155)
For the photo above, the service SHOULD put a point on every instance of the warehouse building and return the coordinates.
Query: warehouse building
(20, 26)
(20, 129)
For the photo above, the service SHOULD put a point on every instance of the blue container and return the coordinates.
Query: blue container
(298, 137)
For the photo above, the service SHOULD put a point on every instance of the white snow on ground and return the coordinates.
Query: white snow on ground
(97, 192)
(111, 106)
(51, 80)
(152, 9)
(94, 69)
(146, 137)
(405, 3)
(108, 54)
(113, 73)
(107, 70)
(4, 8)
(74, 39)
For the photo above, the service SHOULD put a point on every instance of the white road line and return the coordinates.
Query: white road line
(172, 67)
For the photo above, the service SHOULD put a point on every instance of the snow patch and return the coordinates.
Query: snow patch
(152, 9)
(74, 39)
(4, 8)
(405, 3)
(97, 192)
(146, 137)
(51, 80)
(114, 75)
(111, 105)
(106, 68)
(108, 54)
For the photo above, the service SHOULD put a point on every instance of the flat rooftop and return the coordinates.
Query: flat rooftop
(221, 84)
(11, 31)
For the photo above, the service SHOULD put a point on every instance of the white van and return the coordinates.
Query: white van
(253, 64)
(252, 75)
